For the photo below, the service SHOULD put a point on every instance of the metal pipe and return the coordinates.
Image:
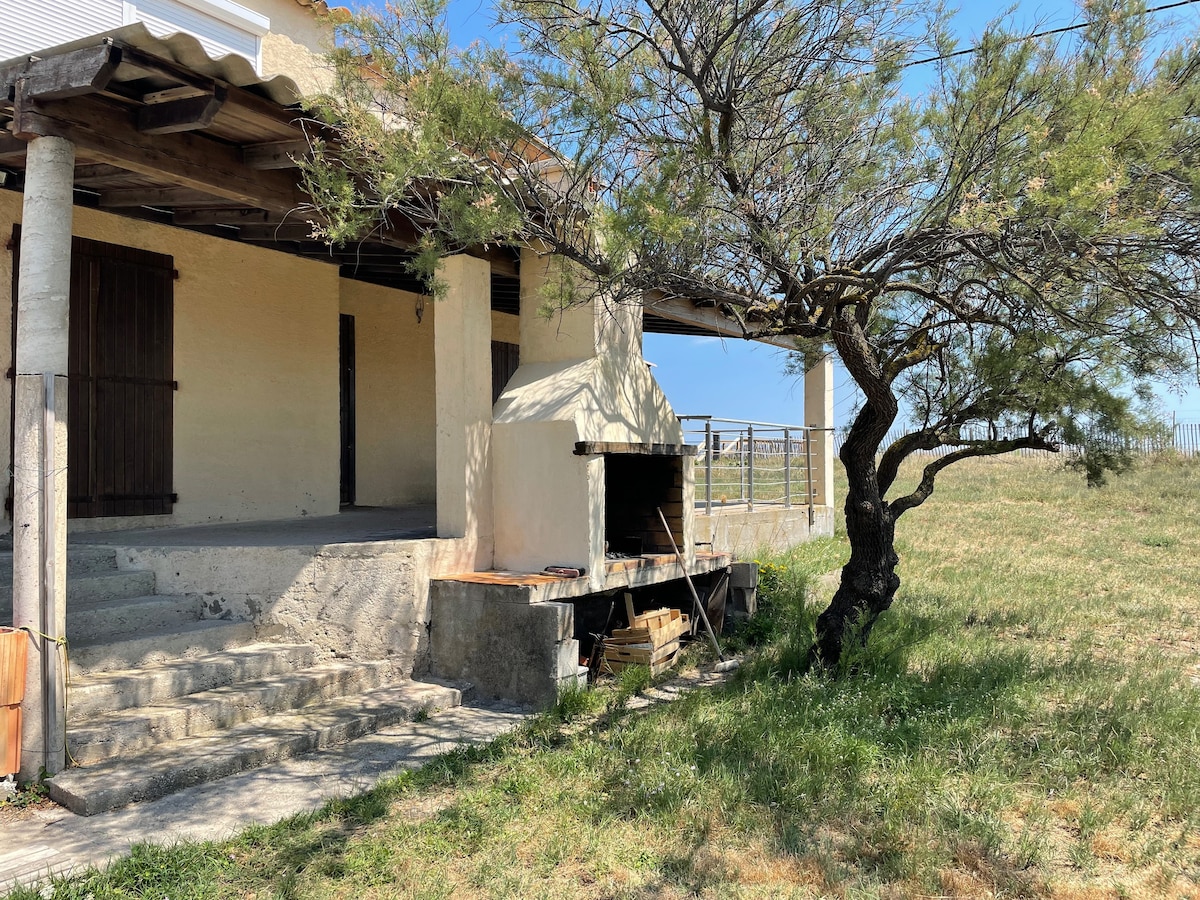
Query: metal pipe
(708, 459)
(53, 693)
(691, 587)
(750, 461)
(808, 469)
(787, 467)
(746, 422)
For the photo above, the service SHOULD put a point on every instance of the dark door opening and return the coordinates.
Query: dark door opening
(506, 359)
(346, 382)
(120, 426)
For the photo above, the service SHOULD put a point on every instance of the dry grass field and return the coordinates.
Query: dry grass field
(1025, 723)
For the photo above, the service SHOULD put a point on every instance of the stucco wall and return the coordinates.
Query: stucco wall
(256, 358)
(506, 327)
(295, 44)
(394, 391)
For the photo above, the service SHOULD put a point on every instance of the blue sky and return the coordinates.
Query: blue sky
(745, 380)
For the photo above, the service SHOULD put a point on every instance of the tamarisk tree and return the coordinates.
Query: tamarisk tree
(1008, 252)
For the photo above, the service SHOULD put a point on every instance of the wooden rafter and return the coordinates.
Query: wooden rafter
(107, 133)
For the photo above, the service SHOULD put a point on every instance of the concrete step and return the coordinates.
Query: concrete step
(106, 692)
(101, 586)
(124, 617)
(158, 646)
(135, 730)
(81, 560)
(110, 618)
(174, 765)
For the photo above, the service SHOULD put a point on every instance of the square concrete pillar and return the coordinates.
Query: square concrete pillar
(462, 340)
(818, 415)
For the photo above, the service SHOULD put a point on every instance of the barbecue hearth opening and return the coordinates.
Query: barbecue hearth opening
(636, 486)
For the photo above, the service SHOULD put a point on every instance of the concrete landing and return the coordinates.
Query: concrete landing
(39, 843)
(354, 525)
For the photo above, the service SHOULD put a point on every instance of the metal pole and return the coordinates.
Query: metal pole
(708, 456)
(750, 459)
(691, 587)
(808, 472)
(787, 467)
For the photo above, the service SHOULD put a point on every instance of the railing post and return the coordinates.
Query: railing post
(787, 468)
(708, 456)
(750, 460)
(809, 472)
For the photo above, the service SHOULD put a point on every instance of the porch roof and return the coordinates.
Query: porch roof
(165, 132)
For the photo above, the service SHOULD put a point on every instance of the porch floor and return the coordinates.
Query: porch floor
(354, 525)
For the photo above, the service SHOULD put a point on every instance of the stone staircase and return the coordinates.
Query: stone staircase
(161, 698)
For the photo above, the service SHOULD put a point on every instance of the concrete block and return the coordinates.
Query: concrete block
(508, 650)
(744, 575)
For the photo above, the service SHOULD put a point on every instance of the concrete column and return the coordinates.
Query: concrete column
(818, 414)
(462, 342)
(40, 448)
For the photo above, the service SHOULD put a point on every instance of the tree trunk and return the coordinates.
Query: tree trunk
(869, 580)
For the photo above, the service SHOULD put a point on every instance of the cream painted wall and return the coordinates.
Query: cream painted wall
(506, 327)
(394, 393)
(295, 44)
(256, 357)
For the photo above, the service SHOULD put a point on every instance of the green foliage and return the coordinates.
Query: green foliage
(1015, 250)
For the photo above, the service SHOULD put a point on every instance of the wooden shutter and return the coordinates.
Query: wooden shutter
(121, 415)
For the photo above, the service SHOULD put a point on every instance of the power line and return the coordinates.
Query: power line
(1039, 34)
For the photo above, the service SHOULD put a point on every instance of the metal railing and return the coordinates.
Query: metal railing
(740, 462)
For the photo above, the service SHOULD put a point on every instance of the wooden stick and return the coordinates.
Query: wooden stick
(691, 587)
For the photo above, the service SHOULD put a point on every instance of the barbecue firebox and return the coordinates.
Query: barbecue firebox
(635, 488)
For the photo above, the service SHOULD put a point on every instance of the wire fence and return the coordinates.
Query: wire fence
(1181, 437)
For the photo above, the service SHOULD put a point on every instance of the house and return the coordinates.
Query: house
(256, 478)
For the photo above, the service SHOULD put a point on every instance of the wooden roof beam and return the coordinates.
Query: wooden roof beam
(106, 133)
(236, 218)
(181, 114)
(274, 155)
(160, 197)
(84, 71)
(709, 319)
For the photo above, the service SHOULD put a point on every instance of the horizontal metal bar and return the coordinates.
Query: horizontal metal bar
(749, 422)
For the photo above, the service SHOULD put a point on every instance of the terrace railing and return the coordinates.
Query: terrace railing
(746, 463)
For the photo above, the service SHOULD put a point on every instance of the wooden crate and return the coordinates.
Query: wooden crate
(618, 657)
(658, 627)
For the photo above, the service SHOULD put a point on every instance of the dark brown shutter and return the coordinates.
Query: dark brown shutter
(121, 382)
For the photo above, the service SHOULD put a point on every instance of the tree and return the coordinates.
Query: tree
(1011, 254)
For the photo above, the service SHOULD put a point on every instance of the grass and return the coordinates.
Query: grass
(1026, 723)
